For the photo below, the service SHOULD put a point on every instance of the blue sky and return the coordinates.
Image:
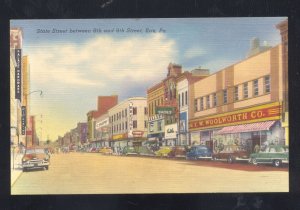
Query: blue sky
(72, 69)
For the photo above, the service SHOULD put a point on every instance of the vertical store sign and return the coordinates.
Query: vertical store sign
(23, 120)
(18, 78)
(130, 119)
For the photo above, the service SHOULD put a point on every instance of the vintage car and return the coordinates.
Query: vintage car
(35, 157)
(129, 150)
(105, 150)
(145, 151)
(163, 151)
(178, 152)
(231, 153)
(199, 152)
(273, 154)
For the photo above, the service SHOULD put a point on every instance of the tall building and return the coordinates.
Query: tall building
(104, 103)
(128, 122)
(240, 104)
(16, 88)
(283, 27)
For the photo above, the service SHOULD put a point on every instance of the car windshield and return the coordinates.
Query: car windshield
(34, 151)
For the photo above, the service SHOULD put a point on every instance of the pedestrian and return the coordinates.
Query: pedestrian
(256, 148)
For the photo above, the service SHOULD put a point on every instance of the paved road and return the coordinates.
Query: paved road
(93, 173)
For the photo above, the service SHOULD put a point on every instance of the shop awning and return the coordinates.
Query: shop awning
(260, 126)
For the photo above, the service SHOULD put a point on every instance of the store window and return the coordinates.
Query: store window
(255, 87)
(245, 90)
(236, 93)
(225, 97)
(267, 84)
(201, 104)
(207, 102)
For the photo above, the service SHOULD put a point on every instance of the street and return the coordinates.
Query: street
(93, 173)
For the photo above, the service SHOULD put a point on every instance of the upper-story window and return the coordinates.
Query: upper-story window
(196, 105)
(145, 110)
(134, 111)
(214, 99)
(134, 123)
(186, 98)
(179, 99)
(225, 97)
(245, 90)
(267, 84)
(255, 87)
(236, 93)
(201, 104)
(182, 99)
(207, 102)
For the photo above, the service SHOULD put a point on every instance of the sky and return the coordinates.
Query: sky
(74, 61)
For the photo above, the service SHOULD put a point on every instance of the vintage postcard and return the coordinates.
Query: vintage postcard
(129, 106)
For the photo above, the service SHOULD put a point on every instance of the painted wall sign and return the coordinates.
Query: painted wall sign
(255, 114)
(171, 131)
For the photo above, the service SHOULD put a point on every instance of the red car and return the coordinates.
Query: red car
(231, 153)
(177, 152)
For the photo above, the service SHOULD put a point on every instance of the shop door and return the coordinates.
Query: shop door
(255, 140)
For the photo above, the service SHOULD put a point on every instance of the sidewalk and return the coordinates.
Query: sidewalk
(15, 167)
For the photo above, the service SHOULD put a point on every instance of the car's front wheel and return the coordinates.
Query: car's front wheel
(230, 159)
(277, 163)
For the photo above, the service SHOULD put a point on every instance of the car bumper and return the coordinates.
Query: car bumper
(35, 165)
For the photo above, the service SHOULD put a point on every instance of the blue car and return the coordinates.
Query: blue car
(199, 152)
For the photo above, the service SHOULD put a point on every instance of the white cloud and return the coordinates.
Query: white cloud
(102, 60)
(194, 52)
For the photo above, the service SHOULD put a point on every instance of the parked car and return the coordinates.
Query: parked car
(178, 152)
(93, 149)
(105, 150)
(273, 154)
(129, 150)
(199, 152)
(163, 151)
(35, 157)
(231, 153)
(145, 151)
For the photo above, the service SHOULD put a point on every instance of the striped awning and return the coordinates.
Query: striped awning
(260, 126)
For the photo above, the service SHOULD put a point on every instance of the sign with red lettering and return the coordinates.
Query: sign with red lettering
(255, 114)
(137, 133)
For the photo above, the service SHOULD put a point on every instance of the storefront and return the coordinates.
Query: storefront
(156, 132)
(246, 128)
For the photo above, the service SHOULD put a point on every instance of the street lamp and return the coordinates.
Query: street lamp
(41, 94)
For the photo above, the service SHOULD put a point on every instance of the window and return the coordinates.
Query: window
(225, 96)
(134, 123)
(182, 99)
(196, 105)
(159, 125)
(207, 102)
(201, 104)
(145, 124)
(267, 84)
(236, 93)
(179, 99)
(145, 110)
(122, 113)
(245, 90)
(134, 110)
(214, 99)
(186, 98)
(255, 87)
(125, 112)
(125, 125)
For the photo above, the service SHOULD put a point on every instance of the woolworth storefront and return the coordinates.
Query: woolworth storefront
(257, 125)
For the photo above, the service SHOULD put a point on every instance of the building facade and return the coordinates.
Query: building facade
(240, 105)
(102, 130)
(128, 123)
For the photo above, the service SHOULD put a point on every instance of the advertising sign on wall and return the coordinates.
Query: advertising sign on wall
(164, 110)
(171, 131)
(183, 120)
(18, 77)
(23, 120)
